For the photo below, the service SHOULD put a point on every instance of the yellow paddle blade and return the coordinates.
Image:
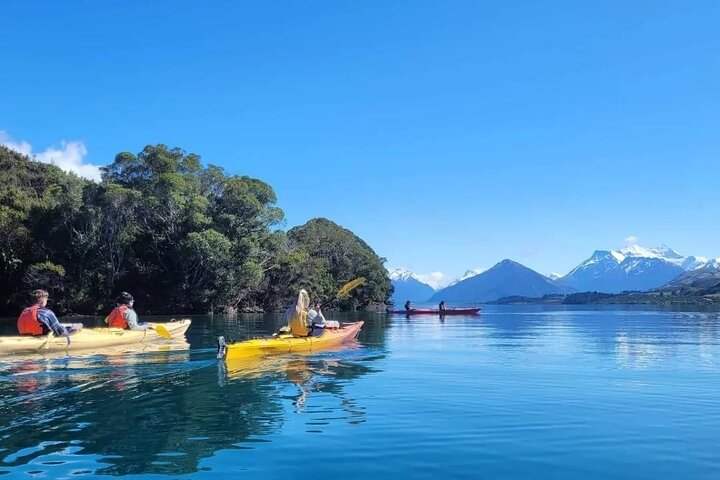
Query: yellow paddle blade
(162, 331)
(350, 286)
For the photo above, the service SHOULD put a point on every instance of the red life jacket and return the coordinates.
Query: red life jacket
(116, 319)
(28, 323)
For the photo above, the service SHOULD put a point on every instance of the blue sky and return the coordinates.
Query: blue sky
(449, 135)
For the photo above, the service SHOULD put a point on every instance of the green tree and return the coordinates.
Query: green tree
(346, 257)
(181, 237)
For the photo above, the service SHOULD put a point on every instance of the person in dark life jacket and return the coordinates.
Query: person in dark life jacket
(40, 320)
(408, 306)
(123, 316)
(441, 307)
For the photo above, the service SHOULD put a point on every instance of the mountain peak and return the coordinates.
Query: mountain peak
(607, 255)
(469, 273)
(630, 268)
(509, 263)
(506, 278)
(663, 251)
(401, 273)
(408, 286)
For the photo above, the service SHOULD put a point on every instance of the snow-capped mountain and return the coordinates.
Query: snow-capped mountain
(401, 274)
(408, 286)
(664, 253)
(632, 268)
(712, 264)
(601, 272)
(468, 274)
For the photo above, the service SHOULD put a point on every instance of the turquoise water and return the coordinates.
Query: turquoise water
(519, 392)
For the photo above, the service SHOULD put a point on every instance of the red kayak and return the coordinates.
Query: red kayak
(435, 311)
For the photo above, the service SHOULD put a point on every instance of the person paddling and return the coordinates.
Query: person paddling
(441, 307)
(317, 322)
(295, 317)
(408, 307)
(40, 320)
(303, 321)
(123, 316)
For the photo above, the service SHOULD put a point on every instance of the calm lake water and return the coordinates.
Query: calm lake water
(518, 392)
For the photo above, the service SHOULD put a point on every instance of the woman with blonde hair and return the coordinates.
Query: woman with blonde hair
(303, 321)
(296, 317)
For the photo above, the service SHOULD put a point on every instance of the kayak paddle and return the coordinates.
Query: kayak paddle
(162, 331)
(346, 289)
(349, 287)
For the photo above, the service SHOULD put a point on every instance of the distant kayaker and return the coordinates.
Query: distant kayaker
(40, 320)
(123, 315)
(408, 307)
(441, 307)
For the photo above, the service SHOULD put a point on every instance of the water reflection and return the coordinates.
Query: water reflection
(162, 412)
(309, 373)
(566, 386)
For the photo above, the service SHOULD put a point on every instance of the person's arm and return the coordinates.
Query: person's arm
(132, 320)
(48, 318)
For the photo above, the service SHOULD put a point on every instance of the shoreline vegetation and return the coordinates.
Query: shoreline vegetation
(182, 237)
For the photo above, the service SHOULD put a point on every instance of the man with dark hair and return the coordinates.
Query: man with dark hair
(40, 320)
(123, 316)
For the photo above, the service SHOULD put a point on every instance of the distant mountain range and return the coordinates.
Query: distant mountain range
(695, 287)
(699, 282)
(632, 268)
(504, 279)
(700, 286)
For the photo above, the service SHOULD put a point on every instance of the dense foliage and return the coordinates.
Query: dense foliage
(180, 236)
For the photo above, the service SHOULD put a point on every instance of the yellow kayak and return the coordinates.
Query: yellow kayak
(89, 338)
(280, 344)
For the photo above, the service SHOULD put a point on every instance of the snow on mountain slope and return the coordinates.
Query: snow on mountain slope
(401, 273)
(630, 268)
(408, 286)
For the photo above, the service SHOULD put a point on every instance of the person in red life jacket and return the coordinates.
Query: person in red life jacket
(40, 320)
(123, 316)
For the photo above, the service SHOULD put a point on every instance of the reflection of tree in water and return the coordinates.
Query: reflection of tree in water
(309, 372)
(158, 412)
(130, 420)
(183, 413)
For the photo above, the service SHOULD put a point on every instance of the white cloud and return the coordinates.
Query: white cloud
(436, 280)
(631, 240)
(70, 156)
